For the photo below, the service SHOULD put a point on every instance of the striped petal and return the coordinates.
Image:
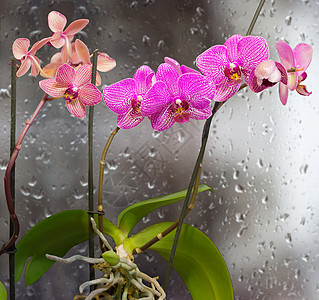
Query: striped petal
(156, 99)
(35, 64)
(24, 67)
(118, 96)
(105, 63)
(231, 45)
(65, 75)
(251, 51)
(212, 63)
(20, 48)
(163, 119)
(38, 45)
(76, 108)
(76, 26)
(168, 74)
(52, 88)
(56, 21)
(83, 75)
(196, 89)
(199, 114)
(142, 80)
(129, 120)
(89, 94)
(225, 91)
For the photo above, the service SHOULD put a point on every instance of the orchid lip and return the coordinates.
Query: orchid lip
(232, 71)
(71, 94)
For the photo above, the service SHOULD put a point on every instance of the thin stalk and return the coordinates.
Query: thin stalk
(7, 176)
(198, 162)
(90, 170)
(12, 177)
(255, 17)
(100, 192)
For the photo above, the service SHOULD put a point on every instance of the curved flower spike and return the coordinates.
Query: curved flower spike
(60, 37)
(296, 62)
(74, 87)
(27, 58)
(125, 96)
(177, 98)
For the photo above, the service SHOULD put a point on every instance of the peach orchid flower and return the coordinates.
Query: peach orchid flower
(27, 58)
(62, 36)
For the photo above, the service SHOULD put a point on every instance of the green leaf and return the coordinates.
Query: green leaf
(197, 260)
(55, 235)
(130, 216)
(3, 292)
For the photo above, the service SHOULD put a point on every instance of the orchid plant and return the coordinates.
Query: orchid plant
(175, 93)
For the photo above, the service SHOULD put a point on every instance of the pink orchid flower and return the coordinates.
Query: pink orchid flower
(60, 36)
(296, 62)
(125, 96)
(266, 75)
(27, 58)
(225, 64)
(74, 87)
(176, 97)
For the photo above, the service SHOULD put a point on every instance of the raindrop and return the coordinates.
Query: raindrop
(239, 189)
(112, 165)
(25, 191)
(264, 199)
(288, 20)
(156, 134)
(151, 185)
(152, 152)
(303, 169)
(236, 175)
(288, 237)
(146, 40)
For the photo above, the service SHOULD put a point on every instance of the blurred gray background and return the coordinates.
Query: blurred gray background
(261, 160)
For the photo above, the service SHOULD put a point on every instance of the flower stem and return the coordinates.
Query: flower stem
(255, 17)
(90, 169)
(7, 176)
(100, 193)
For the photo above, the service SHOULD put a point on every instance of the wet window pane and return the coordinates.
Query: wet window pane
(261, 159)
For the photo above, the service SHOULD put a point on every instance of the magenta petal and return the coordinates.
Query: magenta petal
(286, 54)
(24, 67)
(156, 99)
(253, 85)
(283, 71)
(199, 114)
(76, 26)
(52, 88)
(65, 74)
(140, 77)
(251, 51)
(212, 63)
(283, 93)
(83, 75)
(303, 55)
(186, 69)
(163, 119)
(129, 120)
(20, 48)
(89, 94)
(169, 75)
(224, 91)
(231, 44)
(76, 108)
(118, 96)
(301, 89)
(196, 89)
(174, 63)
